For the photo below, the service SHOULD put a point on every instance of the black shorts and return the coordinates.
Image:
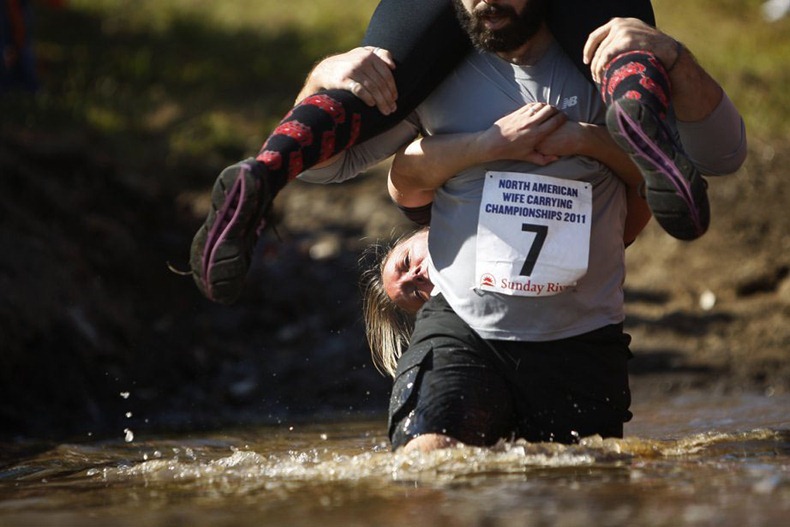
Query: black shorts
(453, 382)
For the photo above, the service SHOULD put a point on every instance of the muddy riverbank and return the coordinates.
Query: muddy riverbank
(98, 335)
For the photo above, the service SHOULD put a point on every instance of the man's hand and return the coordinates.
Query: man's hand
(366, 72)
(516, 135)
(626, 34)
(570, 139)
(695, 94)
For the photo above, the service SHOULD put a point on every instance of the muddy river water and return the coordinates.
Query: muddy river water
(693, 459)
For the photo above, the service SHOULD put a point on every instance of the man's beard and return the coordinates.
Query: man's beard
(522, 27)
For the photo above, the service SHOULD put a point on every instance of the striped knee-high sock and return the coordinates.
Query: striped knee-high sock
(637, 75)
(319, 127)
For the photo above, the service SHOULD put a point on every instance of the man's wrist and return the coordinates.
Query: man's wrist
(590, 140)
(679, 47)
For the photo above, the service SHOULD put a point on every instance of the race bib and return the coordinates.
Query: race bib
(533, 235)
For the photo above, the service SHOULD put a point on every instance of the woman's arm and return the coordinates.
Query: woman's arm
(536, 133)
(595, 142)
(424, 165)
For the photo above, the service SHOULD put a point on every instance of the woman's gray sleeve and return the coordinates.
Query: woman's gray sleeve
(363, 156)
(717, 144)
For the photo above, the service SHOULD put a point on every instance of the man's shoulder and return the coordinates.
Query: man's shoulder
(477, 93)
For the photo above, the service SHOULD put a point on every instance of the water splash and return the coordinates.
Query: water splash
(507, 458)
(333, 475)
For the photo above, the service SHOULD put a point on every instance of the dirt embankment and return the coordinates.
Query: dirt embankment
(98, 335)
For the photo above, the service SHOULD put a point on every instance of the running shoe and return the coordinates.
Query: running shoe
(222, 248)
(675, 190)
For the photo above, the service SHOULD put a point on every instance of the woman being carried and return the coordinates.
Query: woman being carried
(397, 283)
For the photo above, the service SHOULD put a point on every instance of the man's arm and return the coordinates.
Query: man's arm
(695, 94)
(366, 72)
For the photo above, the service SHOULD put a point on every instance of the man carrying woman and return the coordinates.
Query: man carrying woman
(522, 336)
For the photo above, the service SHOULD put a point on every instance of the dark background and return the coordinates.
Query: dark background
(104, 175)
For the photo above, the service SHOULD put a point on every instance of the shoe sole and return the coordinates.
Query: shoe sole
(674, 189)
(221, 250)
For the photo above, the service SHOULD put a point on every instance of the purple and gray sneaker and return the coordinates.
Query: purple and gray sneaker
(222, 248)
(675, 190)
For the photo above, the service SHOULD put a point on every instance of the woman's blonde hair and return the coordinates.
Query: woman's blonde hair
(388, 327)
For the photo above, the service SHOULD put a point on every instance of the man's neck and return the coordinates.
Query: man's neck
(532, 51)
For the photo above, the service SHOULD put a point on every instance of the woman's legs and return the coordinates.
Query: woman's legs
(571, 21)
(637, 91)
(426, 43)
(425, 53)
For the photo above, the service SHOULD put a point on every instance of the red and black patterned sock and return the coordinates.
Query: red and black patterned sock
(637, 75)
(319, 127)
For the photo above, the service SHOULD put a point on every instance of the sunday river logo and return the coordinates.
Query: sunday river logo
(488, 280)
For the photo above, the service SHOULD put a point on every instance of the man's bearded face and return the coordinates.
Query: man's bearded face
(501, 28)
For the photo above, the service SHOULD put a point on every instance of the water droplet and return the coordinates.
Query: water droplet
(125, 395)
(129, 435)
(707, 300)
(128, 415)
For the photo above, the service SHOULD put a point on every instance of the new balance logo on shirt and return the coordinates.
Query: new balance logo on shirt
(569, 102)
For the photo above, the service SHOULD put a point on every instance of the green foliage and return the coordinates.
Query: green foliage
(198, 82)
(178, 80)
(749, 56)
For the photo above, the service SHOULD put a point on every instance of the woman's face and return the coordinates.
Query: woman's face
(405, 273)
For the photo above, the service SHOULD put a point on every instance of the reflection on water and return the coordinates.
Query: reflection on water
(690, 460)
